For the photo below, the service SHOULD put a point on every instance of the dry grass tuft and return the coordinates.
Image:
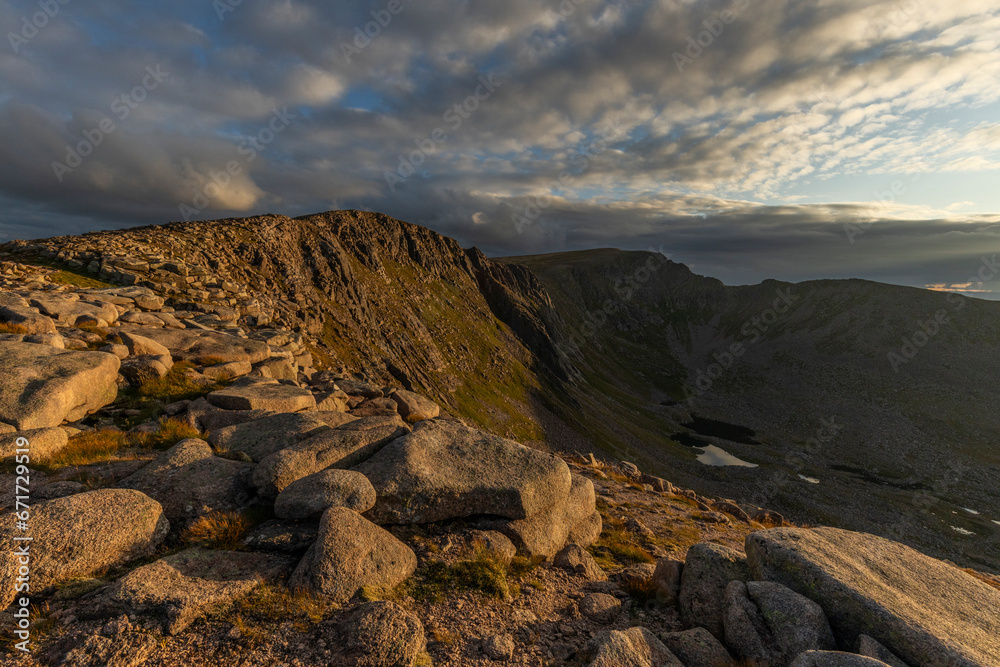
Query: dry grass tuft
(9, 328)
(176, 386)
(218, 530)
(640, 589)
(114, 445)
(171, 432)
(91, 447)
(618, 547)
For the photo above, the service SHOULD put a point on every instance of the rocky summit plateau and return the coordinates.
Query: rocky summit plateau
(345, 440)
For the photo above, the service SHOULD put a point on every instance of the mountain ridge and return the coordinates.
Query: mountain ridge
(610, 348)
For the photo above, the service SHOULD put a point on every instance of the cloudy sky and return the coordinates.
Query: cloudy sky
(792, 139)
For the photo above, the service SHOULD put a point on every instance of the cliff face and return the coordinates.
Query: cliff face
(369, 292)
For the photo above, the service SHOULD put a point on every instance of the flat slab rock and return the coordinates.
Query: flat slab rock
(44, 386)
(270, 396)
(261, 437)
(195, 344)
(342, 447)
(82, 534)
(178, 589)
(925, 611)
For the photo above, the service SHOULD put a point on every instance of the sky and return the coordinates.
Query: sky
(749, 139)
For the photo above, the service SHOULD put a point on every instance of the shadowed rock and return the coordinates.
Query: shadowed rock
(697, 648)
(769, 623)
(707, 572)
(835, 659)
(261, 437)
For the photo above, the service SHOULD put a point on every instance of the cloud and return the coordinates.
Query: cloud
(734, 157)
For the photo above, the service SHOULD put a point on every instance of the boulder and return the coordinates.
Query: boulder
(375, 407)
(499, 647)
(140, 370)
(188, 480)
(927, 612)
(698, 648)
(341, 447)
(278, 368)
(332, 401)
(195, 344)
(83, 534)
(570, 519)
(141, 318)
(204, 416)
(834, 659)
(635, 647)
(178, 589)
(667, 578)
(259, 438)
(314, 494)
(445, 470)
(707, 572)
(492, 541)
(587, 531)
(351, 552)
(578, 560)
(414, 407)
(769, 623)
(383, 634)
(600, 607)
(44, 386)
(42, 443)
(227, 370)
(59, 490)
(271, 396)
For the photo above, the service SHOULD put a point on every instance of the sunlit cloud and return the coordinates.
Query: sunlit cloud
(711, 125)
